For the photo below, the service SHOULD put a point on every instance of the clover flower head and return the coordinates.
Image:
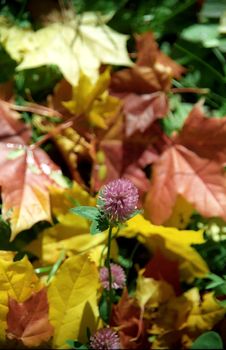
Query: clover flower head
(105, 339)
(118, 200)
(117, 274)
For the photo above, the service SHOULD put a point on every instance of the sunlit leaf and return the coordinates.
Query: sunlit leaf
(74, 46)
(73, 304)
(174, 243)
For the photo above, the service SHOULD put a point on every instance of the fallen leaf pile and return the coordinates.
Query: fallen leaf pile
(103, 119)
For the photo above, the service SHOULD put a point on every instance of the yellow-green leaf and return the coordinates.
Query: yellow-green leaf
(79, 44)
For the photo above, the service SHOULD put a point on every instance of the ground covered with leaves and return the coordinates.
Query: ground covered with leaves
(91, 93)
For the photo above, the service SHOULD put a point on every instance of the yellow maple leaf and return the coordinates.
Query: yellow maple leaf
(152, 292)
(73, 300)
(18, 281)
(63, 199)
(205, 313)
(181, 214)
(72, 234)
(7, 255)
(93, 101)
(177, 321)
(176, 244)
(78, 45)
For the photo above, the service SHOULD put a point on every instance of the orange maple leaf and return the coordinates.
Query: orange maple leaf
(199, 180)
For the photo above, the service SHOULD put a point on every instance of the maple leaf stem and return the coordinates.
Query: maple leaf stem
(108, 263)
(189, 90)
(34, 108)
(52, 133)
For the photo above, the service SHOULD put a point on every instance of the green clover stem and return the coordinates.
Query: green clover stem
(105, 247)
(108, 263)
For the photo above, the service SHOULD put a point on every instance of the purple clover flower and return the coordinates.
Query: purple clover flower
(117, 274)
(118, 200)
(105, 339)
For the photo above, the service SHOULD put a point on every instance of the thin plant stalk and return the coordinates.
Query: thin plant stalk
(108, 262)
(105, 247)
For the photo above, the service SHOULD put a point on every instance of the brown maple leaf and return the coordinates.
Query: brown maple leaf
(148, 54)
(126, 315)
(28, 321)
(152, 72)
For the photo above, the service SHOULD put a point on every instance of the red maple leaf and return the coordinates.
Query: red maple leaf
(204, 136)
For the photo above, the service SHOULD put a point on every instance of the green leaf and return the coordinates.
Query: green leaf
(76, 345)
(99, 224)
(38, 81)
(178, 113)
(90, 213)
(56, 266)
(103, 307)
(222, 303)
(7, 65)
(207, 34)
(213, 8)
(70, 343)
(208, 340)
(126, 263)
